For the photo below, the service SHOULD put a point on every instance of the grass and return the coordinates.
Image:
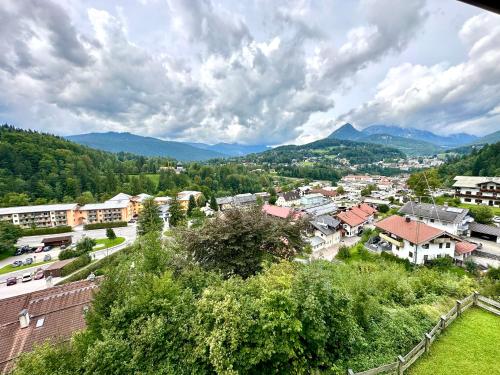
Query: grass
(468, 346)
(10, 268)
(104, 243)
(155, 177)
(441, 200)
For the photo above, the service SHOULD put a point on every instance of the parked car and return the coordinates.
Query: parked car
(19, 252)
(496, 219)
(17, 263)
(11, 281)
(47, 248)
(39, 249)
(39, 275)
(26, 277)
(28, 261)
(62, 247)
(47, 257)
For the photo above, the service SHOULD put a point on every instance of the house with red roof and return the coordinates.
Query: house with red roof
(354, 218)
(281, 212)
(416, 241)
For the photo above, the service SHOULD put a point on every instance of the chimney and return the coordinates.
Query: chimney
(24, 318)
(407, 219)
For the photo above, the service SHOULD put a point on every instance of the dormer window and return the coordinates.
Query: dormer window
(39, 322)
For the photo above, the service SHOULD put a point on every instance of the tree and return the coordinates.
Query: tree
(240, 241)
(213, 203)
(201, 201)
(9, 233)
(423, 183)
(110, 233)
(85, 245)
(85, 198)
(340, 190)
(273, 196)
(482, 214)
(149, 218)
(176, 213)
(191, 205)
(368, 190)
(383, 208)
(344, 252)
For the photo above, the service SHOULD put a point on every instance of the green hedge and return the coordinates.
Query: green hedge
(52, 230)
(112, 224)
(78, 263)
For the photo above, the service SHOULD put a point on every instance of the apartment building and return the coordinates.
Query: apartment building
(41, 216)
(478, 190)
(105, 212)
(183, 197)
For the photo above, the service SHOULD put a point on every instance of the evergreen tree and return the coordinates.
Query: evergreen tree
(149, 218)
(176, 213)
(191, 205)
(110, 233)
(213, 203)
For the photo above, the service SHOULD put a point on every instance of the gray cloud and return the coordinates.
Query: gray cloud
(230, 83)
(443, 98)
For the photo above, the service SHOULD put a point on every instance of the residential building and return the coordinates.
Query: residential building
(489, 232)
(329, 194)
(355, 218)
(52, 314)
(463, 250)
(288, 199)
(326, 232)
(224, 203)
(280, 212)
(183, 197)
(478, 190)
(454, 220)
(415, 240)
(41, 216)
(323, 209)
(138, 201)
(312, 200)
(244, 200)
(119, 210)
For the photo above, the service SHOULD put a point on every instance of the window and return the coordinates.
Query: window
(467, 199)
(448, 245)
(39, 322)
(410, 255)
(432, 220)
(467, 192)
(440, 245)
(425, 246)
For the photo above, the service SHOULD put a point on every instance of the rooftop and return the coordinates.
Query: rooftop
(465, 247)
(38, 208)
(473, 181)
(410, 230)
(431, 211)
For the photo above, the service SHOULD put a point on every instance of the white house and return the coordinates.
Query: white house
(288, 199)
(478, 190)
(325, 228)
(313, 199)
(416, 241)
(453, 220)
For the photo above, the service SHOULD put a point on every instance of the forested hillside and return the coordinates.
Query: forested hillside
(38, 168)
(355, 152)
(482, 162)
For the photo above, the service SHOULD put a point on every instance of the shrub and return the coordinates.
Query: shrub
(344, 252)
(389, 256)
(111, 224)
(383, 208)
(41, 231)
(443, 263)
(78, 263)
(83, 246)
(110, 233)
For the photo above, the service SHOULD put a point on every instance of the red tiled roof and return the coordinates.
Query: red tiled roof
(61, 307)
(413, 231)
(359, 212)
(464, 247)
(367, 208)
(282, 212)
(350, 218)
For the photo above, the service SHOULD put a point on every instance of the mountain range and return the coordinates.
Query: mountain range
(409, 140)
(148, 146)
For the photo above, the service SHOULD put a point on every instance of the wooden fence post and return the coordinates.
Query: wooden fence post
(401, 361)
(443, 322)
(476, 294)
(459, 308)
(427, 342)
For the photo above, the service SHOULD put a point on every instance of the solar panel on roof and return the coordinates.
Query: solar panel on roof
(454, 209)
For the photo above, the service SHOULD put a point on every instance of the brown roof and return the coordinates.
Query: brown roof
(413, 231)
(464, 247)
(59, 264)
(55, 239)
(62, 310)
(326, 193)
(367, 208)
(351, 218)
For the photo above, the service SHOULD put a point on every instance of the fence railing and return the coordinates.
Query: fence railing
(403, 362)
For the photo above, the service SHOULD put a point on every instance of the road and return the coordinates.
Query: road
(129, 233)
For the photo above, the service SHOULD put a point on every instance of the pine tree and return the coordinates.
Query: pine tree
(191, 205)
(213, 203)
(149, 218)
(110, 233)
(176, 213)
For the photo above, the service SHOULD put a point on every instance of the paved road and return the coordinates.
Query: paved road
(331, 252)
(20, 288)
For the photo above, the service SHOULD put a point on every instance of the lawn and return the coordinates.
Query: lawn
(469, 346)
(10, 268)
(104, 243)
(441, 200)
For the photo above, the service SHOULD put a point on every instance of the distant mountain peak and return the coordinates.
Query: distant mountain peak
(346, 132)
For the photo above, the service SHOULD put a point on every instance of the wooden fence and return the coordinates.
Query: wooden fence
(403, 362)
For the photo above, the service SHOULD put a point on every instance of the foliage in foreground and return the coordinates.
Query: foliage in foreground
(158, 313)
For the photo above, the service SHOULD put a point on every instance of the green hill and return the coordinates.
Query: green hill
(412, 147)
(37, 167)
(146, 146)
(488, 139)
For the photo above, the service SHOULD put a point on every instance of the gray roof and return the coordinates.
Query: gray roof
(430, 211)
(241, 199)
(328, 220)
(224, 200)
(473, 181)
(322, 209)
(485, 229)
(315, 241)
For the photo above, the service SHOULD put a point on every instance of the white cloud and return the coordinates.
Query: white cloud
(443, 98)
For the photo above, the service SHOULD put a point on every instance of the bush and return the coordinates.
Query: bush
(443, 263)
(111, 224)
(344, 252)
(110, 233)
(85, 245)
(383, 208)
(393, 258)
(41, 231)
(78, 263)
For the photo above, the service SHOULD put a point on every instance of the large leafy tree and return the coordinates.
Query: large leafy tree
(149, 218)
(176, 213)
(423, 183)
(191, 205)
(482, 214)
(238, 242)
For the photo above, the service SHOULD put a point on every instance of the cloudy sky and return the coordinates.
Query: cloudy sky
(269, 72)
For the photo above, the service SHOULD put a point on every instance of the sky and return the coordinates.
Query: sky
(253, 72)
